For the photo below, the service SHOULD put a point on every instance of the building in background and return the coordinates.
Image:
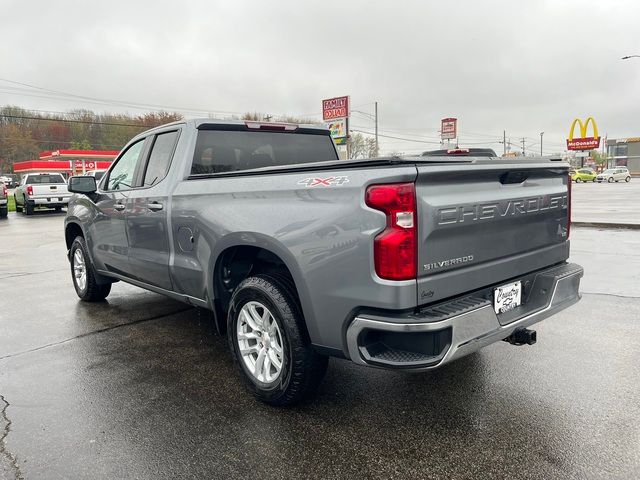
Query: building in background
(68, 162)
(625, 152)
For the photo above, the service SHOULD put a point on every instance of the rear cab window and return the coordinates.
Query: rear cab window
(237, 148)
(45, 178)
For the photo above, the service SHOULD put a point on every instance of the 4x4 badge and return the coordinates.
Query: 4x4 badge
(324, 182)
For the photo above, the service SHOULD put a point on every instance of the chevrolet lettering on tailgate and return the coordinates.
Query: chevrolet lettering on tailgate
(489, 211)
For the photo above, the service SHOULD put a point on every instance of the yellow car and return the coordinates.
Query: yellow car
(583, 175)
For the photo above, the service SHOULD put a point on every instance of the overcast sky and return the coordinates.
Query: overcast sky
(523, 67)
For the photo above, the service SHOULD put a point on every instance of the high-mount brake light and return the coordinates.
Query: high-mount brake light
(280, 127)
(29, 190)
(394, 249)
(458, 151)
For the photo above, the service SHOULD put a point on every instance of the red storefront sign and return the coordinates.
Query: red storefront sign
(337, 107)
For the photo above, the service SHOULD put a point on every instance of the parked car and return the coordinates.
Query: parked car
(4, 196)
(41, 190)
(396, 263)
(584, 175)
(614, 175)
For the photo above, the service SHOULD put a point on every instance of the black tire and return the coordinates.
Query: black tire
(92, 291)
(610, 180)
(577, 180)
(28, 208)
(302, 367)
(594, 180)
(4, 211)
(628, 179)
(18, 207)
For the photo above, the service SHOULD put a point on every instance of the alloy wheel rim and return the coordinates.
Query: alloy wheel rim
(79, 269)
(260, 342)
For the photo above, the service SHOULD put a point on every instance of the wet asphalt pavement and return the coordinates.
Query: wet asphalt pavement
(141, 387)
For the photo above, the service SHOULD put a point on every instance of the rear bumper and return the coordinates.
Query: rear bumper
(53, 201)
(445, 332)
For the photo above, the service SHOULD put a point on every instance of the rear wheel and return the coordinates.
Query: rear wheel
(82, 274)
(578, 180)
(4, 211)
(27, 208)
(269, 344)
(628, 179)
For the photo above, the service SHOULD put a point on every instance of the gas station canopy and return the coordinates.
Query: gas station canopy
(71, 162)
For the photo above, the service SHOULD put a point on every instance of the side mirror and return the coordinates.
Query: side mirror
(82, 184)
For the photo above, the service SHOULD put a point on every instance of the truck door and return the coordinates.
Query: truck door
(147, 225)
(108, 238)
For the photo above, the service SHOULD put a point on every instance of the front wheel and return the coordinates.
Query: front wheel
(84, 280)
(269, 344)
(610, 180)
(578, 180)
(628, 179)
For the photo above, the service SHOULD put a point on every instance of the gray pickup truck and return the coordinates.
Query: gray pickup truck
(405, 263)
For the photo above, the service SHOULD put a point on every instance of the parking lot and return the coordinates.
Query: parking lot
(606, 202)
(141, 387)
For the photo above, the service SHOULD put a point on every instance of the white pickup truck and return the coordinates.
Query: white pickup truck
(41, 190)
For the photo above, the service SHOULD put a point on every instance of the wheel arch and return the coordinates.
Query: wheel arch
(248, 254)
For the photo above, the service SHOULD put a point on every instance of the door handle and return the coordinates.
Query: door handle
(155, 206)
(119, 206)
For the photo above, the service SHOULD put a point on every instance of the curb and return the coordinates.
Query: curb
(627, 226)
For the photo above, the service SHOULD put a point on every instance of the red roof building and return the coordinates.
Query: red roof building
(71, 162)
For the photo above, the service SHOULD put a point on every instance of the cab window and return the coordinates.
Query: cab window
(122, 175)
(160, 158)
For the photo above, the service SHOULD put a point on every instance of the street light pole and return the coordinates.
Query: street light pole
(541, 134)
(377, 148)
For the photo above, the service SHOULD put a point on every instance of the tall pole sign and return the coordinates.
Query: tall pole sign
(448, 128)
(335, 113)
(583, 142)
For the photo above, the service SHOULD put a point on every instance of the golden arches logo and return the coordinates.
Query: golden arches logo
(583, 128)
(583, 142)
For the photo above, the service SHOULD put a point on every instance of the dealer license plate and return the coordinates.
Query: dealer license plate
(507, 297)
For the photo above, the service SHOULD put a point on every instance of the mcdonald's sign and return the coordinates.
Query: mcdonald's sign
(584, 142)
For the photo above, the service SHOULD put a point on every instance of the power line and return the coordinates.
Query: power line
(44, 119)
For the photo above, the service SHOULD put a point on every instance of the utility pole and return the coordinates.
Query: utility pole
(377, 148)
(523, 152)
(541, 134)
(268, 117)
(504, 142)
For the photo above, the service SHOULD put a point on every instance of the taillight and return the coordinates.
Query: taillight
(568, 206)
(29, 190)
(394, 249)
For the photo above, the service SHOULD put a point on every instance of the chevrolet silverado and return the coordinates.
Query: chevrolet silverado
(398, 263)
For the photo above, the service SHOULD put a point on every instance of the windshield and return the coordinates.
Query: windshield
(610, 170)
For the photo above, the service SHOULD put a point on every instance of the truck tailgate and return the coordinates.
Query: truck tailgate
(50, 190)
(488, 221)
